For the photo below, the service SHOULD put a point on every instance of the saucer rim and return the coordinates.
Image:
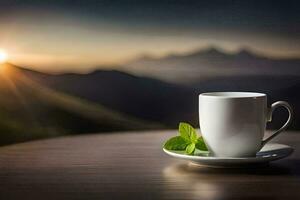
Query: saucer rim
(256, 158)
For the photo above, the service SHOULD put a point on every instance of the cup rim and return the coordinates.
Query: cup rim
(232, 95)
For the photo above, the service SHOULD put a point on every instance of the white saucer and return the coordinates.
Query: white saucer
(270, 152)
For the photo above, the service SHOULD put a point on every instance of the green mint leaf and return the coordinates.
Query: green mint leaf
(190, 148)
(176, 143)
(200, 144)
(187, 132)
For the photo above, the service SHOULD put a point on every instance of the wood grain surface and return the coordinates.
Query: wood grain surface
(132, 166)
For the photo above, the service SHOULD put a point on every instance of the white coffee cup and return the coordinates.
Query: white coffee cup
(233, 123)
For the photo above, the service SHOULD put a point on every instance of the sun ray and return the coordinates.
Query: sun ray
(11, 76)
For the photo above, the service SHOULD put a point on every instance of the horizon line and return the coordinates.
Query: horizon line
(117, 66)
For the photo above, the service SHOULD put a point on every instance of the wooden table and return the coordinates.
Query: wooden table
(133, 166)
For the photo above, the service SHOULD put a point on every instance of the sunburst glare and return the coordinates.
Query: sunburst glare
(3, 56)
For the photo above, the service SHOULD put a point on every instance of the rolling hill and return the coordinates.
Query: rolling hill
(29, 110)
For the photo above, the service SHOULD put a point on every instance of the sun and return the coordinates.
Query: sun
(3, 56)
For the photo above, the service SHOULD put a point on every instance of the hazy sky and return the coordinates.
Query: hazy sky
(79, 35)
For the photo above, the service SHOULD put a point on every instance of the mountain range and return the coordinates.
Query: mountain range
(204, 64)
(170, 102)
(30, 110)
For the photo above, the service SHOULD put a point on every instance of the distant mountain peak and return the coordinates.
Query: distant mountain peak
(245, 53)
(210, 51)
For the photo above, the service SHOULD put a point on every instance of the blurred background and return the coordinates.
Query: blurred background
(76, 67)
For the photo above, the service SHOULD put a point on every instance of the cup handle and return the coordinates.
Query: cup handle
(287, 123)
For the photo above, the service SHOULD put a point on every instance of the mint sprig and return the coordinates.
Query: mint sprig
(187, 140)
